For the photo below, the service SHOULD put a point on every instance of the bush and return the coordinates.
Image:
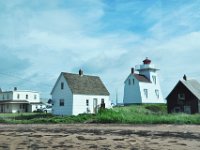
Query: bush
(157, 108)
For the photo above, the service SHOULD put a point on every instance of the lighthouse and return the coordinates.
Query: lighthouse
(142, 85)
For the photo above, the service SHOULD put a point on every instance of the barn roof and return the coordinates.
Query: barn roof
(141, 78)
(193, 86)
(85, 84)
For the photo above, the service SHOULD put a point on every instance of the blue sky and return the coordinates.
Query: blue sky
(41, 38)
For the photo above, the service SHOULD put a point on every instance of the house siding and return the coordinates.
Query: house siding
(23, 96)
(65, 94)
(152, 98)
(132, 92)
(79, 103)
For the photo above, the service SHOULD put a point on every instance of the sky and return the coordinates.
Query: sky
(41, 38)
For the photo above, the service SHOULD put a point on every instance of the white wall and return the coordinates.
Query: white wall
(152, 98)
(79, 103)
(65, 94)
(132, 91)
(31, 96)
(6, 96)
(12, 95)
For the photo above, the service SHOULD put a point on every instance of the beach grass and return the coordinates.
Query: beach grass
(135, 114)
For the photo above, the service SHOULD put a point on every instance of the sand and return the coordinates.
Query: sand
(99, 137)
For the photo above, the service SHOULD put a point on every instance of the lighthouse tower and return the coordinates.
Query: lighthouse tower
(143, 86)
(148, 70)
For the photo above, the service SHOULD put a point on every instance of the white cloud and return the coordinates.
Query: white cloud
(48, 37)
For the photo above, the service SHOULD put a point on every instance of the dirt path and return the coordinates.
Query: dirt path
(99, 137)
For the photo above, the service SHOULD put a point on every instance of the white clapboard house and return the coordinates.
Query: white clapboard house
(19, 101)
(75, 94)
(143, 86)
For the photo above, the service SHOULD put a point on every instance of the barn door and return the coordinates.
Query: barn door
(95, 102)
(199, 106)
(187, 109)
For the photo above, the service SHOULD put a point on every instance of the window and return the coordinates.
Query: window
(20, 106)
(146, 93)
(7, 96)
(87, 102)
(62, 85)
(129, 81)
(26, 96)
(35, 96)
(154, 79)
(102, 101)
(157, 93)
(7, 106)
(3, 97)
(18, 96)
(181, 96)
(133, 81)
(61, 102)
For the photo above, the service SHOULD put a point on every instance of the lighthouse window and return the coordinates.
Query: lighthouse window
(157, 93)
(129, 81)
(154, 79)
(146, 93)
(133, 81)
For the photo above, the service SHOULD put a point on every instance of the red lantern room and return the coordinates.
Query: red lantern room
(147, 61)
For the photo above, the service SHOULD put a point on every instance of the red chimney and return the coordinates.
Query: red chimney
(147, 61)
(132, 70)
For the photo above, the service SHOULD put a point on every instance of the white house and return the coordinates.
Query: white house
(19, 101)
(143, 87)
(75, 94)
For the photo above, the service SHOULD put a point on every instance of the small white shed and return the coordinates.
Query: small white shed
(75, 94)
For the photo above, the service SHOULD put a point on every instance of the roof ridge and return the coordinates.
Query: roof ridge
(78, 74)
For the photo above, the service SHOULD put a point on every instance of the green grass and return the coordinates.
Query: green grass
(136, 114)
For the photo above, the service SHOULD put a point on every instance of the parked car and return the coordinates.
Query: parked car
(47, 109)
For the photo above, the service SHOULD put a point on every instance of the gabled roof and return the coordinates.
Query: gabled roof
(85, 84)
(192, 85)
(141, 78)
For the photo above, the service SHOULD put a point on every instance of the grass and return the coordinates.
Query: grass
(136, 114)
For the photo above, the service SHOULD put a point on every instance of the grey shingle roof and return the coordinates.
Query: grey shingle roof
(193, 86)
(85, 84)
(141, 78)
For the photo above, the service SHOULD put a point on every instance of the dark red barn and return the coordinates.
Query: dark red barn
(185, 97)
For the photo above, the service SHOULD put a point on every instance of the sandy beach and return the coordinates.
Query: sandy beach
(99, 137)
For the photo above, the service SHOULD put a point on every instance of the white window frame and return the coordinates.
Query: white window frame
(87, 102)
(62, 102)
(154, 79)
(181, 96)
(129, 81)
(157, 93)
(62, 85)
(146, 93)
